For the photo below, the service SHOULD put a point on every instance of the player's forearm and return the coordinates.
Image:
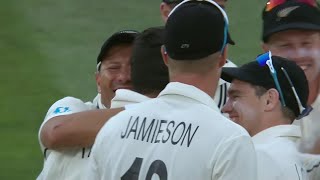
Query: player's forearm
(75, 130)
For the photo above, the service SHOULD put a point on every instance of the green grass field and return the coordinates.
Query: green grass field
(48, 50)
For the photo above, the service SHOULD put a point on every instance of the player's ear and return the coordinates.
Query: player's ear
(271, 99)
(164, 55)
(164, 10)
(265, 47)
(98, 81)
(223, 56)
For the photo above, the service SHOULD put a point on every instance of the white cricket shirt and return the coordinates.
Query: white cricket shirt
(277, 153)
(311, 163)
(181, 134)
(311, 133)
(66, 164)
(310, 126)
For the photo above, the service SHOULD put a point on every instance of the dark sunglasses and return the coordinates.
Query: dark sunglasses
(274, 3)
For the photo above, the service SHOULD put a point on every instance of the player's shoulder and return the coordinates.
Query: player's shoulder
(124, 116)
(68, 105)
(66, 101)
(233, 129)
(142, 105)
(69, 99)
(223, 128)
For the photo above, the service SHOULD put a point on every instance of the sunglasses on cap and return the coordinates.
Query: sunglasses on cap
(274, 3)
(266, 59)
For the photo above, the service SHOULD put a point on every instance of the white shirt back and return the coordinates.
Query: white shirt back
(179, 135)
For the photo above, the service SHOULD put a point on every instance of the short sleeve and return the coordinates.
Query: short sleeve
(65, 106)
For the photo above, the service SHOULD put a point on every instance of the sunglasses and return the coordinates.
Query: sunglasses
(265, 59)
(225, 16)
(274, 3)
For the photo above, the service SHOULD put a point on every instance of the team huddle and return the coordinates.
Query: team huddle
(170, 105)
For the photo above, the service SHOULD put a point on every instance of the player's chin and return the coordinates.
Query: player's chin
(235, 119)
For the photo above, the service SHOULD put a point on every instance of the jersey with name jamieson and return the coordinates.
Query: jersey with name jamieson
(159, 131)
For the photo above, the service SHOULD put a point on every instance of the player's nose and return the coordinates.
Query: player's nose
(227, 108)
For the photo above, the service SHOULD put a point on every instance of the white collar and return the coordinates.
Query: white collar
(177, 88)
(124, 97)
(277, 131)
(97, 102)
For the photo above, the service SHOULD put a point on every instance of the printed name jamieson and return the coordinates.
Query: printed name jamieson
(159, 131)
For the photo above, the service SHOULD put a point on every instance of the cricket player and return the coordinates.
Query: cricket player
(291, 29)
(181, 134)
(221, 93)
(66, 148)
(73, 130)
(149, 74)
(265, 97)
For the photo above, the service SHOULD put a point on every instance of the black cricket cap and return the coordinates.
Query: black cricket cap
(290, 15)
(120, 37)
(149, 74)
(194, 30)
(256, 75)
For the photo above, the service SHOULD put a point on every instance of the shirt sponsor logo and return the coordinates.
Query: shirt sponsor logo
(61, 110)
(159, 131)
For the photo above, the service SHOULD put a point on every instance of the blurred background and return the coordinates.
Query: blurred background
(48, 50)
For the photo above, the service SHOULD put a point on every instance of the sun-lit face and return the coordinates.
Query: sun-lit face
(301, 46)
(114, 72)
(244, 107)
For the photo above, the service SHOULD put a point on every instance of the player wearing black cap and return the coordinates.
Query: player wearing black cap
(181, 134)
(291, 29)
(265, 97)
(221, 93)
(65, 145)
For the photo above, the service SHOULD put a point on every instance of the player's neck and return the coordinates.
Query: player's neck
(208, 84)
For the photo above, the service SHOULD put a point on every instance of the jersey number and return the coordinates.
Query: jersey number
(157, 167)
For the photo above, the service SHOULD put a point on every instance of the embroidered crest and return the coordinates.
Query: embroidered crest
(285, 12)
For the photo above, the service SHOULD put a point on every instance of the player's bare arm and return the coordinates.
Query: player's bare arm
(75, 130)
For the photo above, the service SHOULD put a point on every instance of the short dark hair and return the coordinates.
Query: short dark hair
(287, 112)
(149, 74)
